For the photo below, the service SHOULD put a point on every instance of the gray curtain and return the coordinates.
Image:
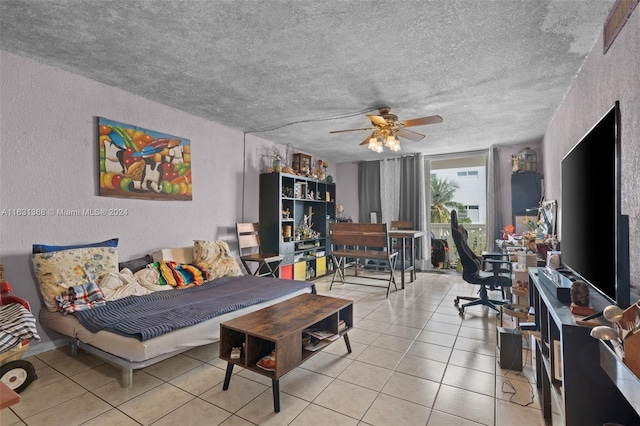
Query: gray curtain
(495, 218)
(426, 241)
(389, 184)
(405, 196)
(413, 201)
(368, 189)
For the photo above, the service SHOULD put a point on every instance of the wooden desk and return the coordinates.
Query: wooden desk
(403, 235)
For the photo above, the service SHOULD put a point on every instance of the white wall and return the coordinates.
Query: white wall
(50, 160)
(346, 180)
(603, 79)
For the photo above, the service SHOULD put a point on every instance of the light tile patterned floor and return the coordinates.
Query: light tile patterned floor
(415, 361)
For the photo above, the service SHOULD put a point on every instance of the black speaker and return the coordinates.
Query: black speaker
(510, 348)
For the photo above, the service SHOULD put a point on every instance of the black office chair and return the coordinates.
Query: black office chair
(498, 279)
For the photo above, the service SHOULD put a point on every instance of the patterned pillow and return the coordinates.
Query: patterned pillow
(58, 271)
(214, 257)
(43, 248)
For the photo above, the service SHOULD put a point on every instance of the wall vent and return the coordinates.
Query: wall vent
(618, 16)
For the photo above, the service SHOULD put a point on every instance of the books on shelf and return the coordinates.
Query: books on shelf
(315, 345)
(313, 339)
(322, 334)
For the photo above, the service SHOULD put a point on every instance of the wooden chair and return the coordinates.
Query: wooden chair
(251, 253)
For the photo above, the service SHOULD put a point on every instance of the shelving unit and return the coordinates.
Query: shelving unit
(573, 388)
(305, 258)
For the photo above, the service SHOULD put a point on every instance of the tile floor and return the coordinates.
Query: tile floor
(414, 362)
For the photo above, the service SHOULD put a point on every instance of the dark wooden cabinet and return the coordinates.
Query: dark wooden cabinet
(573, 389)
(526, 193)
(285, 200)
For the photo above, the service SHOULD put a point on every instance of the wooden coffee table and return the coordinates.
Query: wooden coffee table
(279, 328)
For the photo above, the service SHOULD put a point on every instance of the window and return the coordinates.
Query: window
(468, 174)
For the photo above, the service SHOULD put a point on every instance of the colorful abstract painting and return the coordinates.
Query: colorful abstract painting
(142, 163)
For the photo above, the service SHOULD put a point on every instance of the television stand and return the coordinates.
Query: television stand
(573, 388)
(593, 316)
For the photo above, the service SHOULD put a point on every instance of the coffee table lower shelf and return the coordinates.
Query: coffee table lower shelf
(278, 329)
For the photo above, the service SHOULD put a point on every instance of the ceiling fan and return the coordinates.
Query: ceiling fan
(386, 129)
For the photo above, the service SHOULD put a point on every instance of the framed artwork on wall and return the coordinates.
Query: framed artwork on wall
(142, 163)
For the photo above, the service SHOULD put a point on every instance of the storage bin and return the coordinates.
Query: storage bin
(286, 272)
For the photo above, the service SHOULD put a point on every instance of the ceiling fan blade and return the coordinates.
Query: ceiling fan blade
(366, 141)
(408, 134)
(422, 121)
(376, 119)
(350, 130)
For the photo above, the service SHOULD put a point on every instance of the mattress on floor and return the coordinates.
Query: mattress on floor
(134, 350)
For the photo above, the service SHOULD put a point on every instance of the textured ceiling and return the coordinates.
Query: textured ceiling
(496, 71)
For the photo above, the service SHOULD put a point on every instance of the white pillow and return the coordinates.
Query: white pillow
(179, 255)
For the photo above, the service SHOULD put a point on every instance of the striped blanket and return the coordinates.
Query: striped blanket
(178, 274)
(152, 315)
(16, 324)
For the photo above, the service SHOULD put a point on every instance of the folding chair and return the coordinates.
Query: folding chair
(251, 253)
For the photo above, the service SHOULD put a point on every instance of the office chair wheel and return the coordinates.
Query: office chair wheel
(456, 301)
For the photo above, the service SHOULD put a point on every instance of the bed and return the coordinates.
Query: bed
(117, 342)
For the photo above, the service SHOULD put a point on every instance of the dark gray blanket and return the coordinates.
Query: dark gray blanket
(152, 315)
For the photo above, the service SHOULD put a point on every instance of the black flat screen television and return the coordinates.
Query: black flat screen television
(594, 234)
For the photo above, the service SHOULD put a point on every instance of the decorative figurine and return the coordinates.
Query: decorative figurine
(580, 293)
(580, 298)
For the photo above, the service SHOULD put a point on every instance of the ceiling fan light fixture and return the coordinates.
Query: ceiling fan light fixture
(386, 129)
(375, 145)
(390, 141)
